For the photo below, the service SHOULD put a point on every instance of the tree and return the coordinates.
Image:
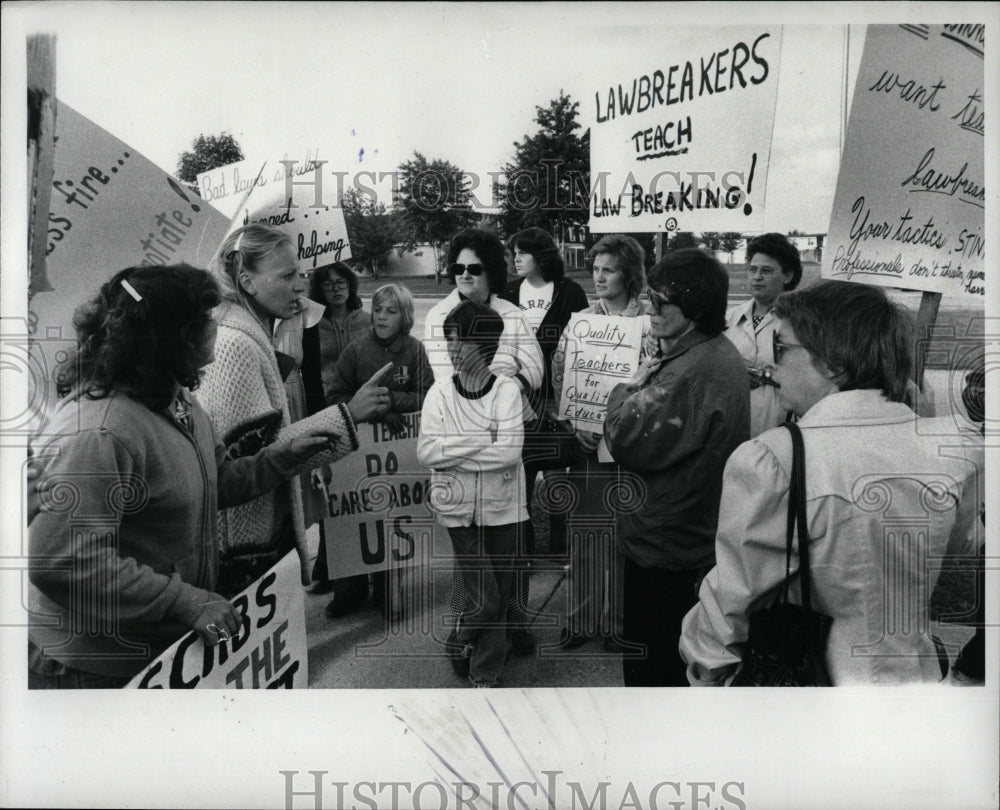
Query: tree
(729, 241)
(683, 239)
(711, 240)
(207, 153)
(370, 229)
(432, 204)
(548, 181)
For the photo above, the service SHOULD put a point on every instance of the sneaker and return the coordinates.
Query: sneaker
(571, 640)
(522, 642)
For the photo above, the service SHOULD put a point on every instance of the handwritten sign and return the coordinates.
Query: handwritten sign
(225, 186)
(601, 351)
(268, 652)
(377, 513)
(680, 130)
(295, 206)
(911, 198)
(110, 208)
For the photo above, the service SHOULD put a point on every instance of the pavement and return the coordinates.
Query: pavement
(363, 651)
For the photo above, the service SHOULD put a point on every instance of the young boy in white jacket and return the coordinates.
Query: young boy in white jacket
(471, 435)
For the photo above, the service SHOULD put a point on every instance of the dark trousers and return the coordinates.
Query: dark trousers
(656, 601)
(484, 555)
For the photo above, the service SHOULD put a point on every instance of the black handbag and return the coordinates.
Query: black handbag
(786, 645)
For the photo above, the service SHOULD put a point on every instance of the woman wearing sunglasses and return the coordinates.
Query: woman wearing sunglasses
(883, 500)
(674, 425)
(773, 267)
(478, 268)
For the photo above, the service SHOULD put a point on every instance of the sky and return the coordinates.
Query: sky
(367, 85)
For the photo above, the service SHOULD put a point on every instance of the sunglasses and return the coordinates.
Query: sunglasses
(659, 300)
(457, 269)
(779, 348)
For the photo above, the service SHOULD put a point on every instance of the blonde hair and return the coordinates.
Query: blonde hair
(399, 296)
(240, 251)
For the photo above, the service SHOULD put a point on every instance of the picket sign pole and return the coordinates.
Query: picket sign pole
(926, 318)
(41, 53)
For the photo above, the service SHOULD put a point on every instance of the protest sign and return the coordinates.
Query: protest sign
(224, 187)
(296, 205)
(680, 130)
(601, 351)
(910, 200)
(377, 513)
(110, 208)
(268, 652)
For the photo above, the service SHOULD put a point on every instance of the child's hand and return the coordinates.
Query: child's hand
(394, 421)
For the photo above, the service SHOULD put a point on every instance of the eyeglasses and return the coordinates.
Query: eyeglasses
(763, 272)
(779, 348)
(457, 269)
(659, 300)
(340, 284)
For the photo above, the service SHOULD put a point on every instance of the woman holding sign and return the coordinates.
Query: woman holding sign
(128, 479)
(675, 424)
(773, 267)
(244, 392)
(595, 568)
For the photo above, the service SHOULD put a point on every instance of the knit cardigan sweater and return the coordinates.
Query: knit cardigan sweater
(244, 394)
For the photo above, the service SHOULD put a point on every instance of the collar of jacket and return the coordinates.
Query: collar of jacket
(686, 342)
(394, 345)
(863, 406)
(633, 309)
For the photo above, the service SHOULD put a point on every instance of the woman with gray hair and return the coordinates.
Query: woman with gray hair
(882, 499)
(244, 393)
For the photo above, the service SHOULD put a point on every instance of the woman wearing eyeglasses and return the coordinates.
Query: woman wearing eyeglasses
(773, 267)
(884, 499)
(674, 425)
(478, 267)
(336, 287)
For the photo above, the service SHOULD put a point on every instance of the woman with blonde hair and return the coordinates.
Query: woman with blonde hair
(244, 392)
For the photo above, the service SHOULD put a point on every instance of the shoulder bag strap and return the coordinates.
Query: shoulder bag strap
(799, 478)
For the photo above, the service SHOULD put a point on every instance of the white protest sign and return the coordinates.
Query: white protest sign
(377, 513)
(111, 208)
(910, 200)
(225, 186)
(297, 206)
(680, 129)
(268, 652)
(601, 352)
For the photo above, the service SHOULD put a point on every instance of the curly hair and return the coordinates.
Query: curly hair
(543, 249)
(698, 282)
(490, 250)
(143, 347)
(326, 273)
(779, 248)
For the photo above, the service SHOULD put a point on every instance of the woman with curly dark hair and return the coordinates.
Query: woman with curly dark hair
(131, 453)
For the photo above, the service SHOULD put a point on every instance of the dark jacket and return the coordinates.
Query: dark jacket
(676, 432)
(408, 381)
(567, 297)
